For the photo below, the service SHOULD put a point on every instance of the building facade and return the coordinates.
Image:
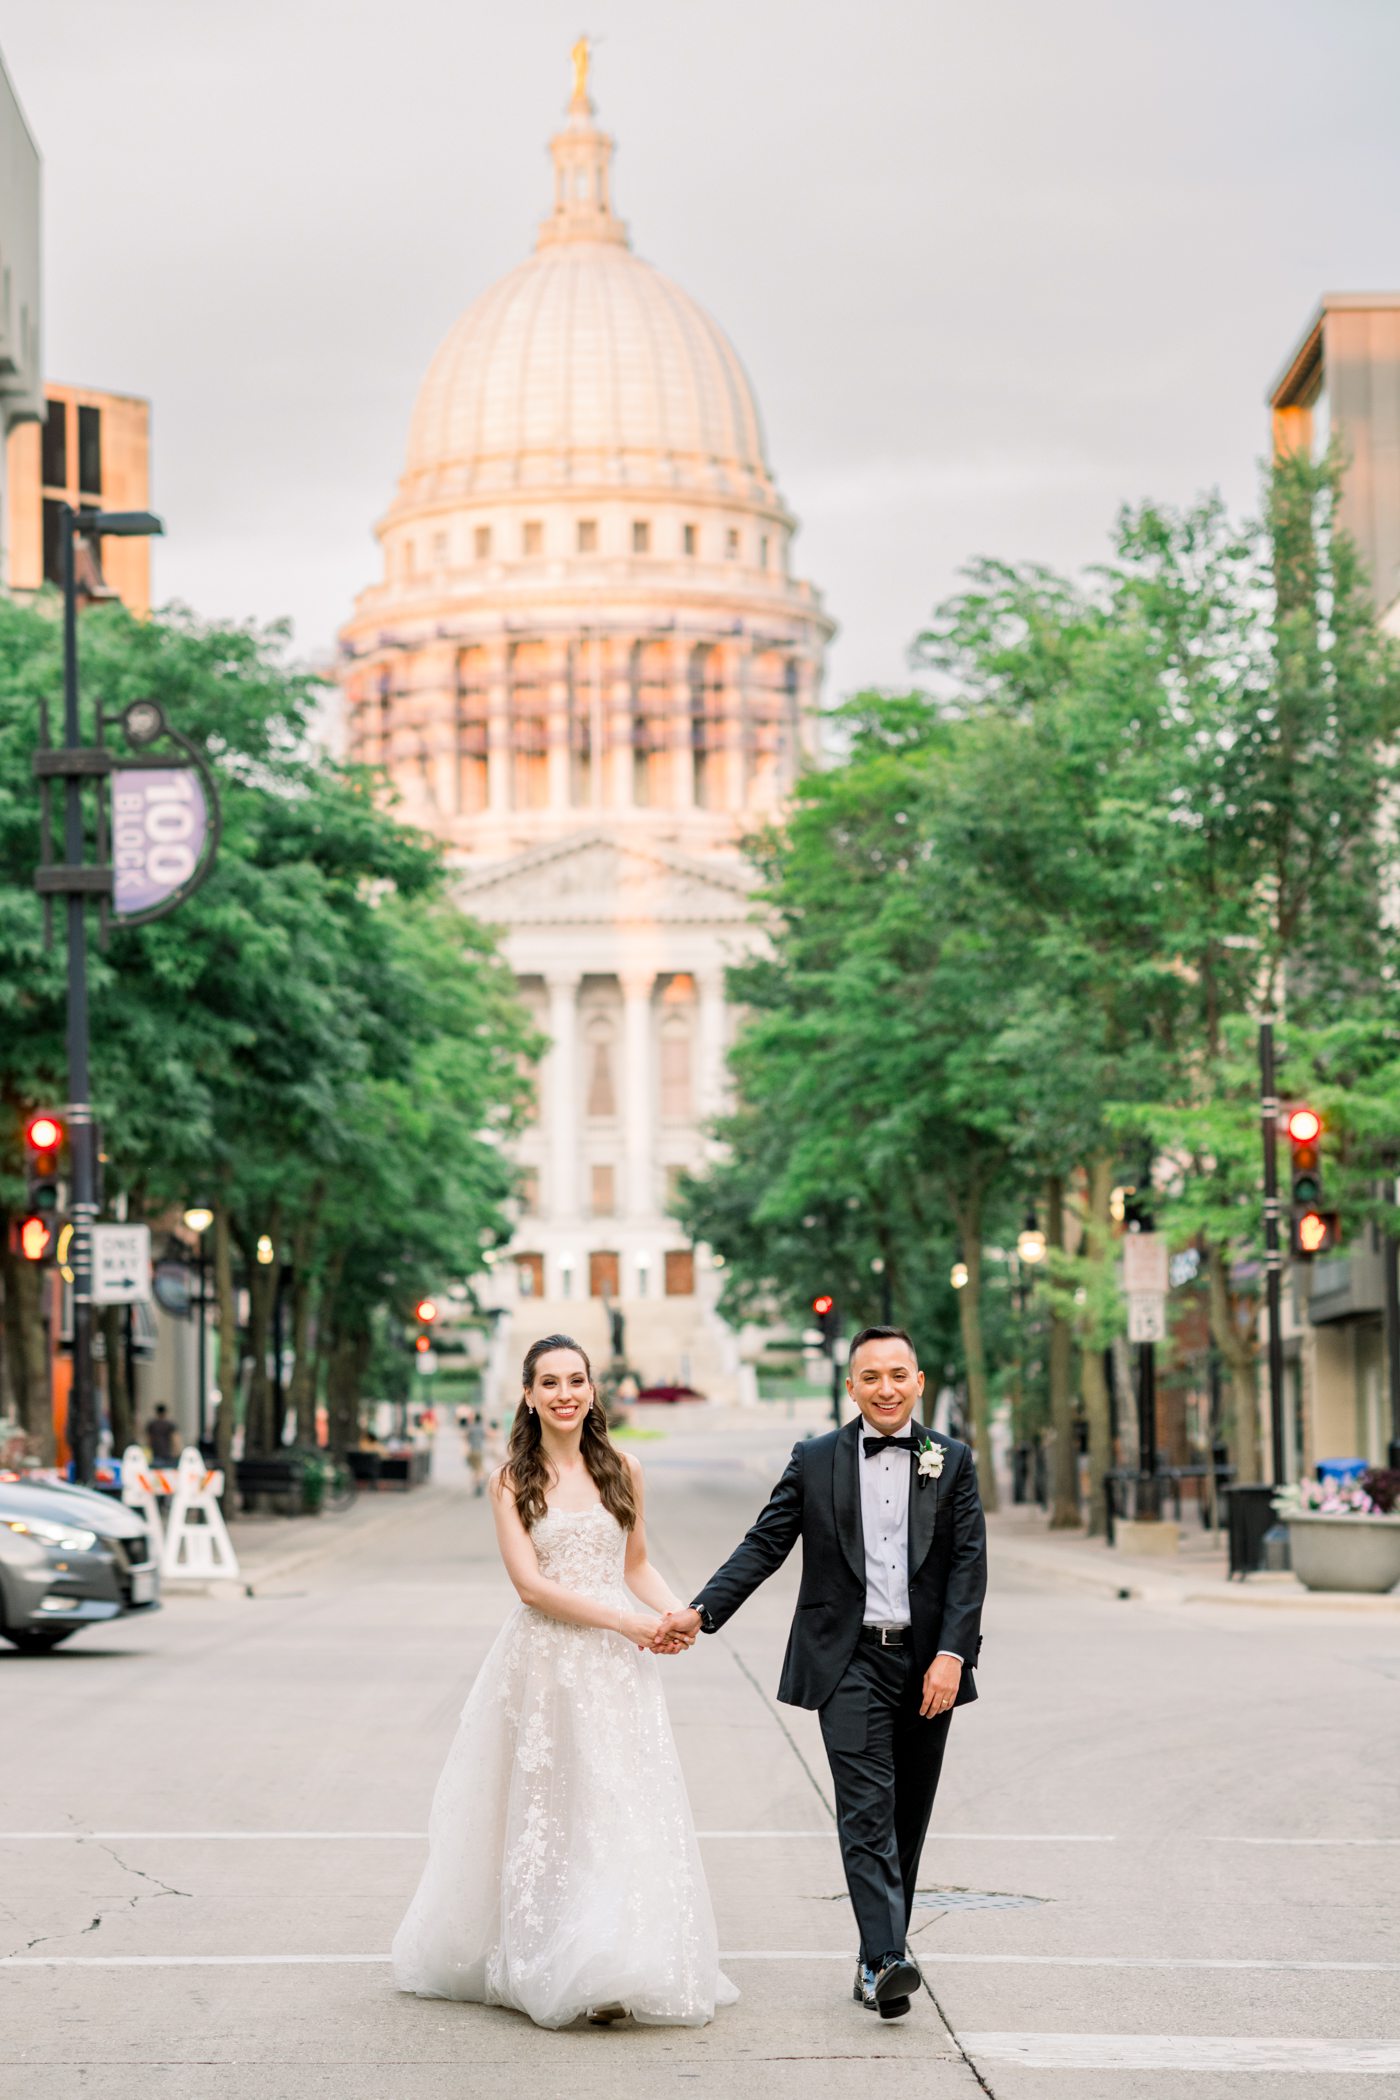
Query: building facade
(21, 341)
(92, 448)
(589, 668)
(1342, 380)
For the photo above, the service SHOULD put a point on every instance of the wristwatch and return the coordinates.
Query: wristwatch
(707, 1624)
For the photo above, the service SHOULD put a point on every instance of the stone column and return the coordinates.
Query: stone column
(560, 754)
(682, 741)
(498, 767)
(637, 1084)
(563, 1094)
(439, 667)
(620, 793)
(711, 1079)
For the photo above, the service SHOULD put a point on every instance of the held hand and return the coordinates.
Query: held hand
(641, 1628)
(677, 1631)
(941, 1681)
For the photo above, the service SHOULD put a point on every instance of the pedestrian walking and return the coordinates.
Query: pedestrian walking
(475, 1441)
(162, 1437)
(886, 1632)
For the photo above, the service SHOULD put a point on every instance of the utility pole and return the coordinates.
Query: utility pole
(1273, 1258)
(82, 1399)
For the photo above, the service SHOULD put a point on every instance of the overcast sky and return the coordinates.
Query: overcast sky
(993, 268)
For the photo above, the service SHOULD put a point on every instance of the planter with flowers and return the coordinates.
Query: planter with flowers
(1344, 1537)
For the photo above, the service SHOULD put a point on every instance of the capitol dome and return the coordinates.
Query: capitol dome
(586, 363)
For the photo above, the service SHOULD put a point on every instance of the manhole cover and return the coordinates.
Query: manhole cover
(973, 1899)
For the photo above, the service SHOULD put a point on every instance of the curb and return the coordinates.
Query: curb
(1130, 1587)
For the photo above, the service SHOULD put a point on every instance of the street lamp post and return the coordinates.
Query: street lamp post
(79, 882)
(1273, 1257)
(198, 1220)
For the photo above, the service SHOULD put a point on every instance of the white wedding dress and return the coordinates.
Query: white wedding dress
(563, 1871)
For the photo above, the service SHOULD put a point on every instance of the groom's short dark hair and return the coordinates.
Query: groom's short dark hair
(881, 1334)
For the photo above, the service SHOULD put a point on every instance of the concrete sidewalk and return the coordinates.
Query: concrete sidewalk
(1196, 1574)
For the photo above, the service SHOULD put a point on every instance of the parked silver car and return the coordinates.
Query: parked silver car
(68, 1559)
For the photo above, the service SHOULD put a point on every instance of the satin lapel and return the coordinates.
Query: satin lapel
(923, 1514)
(845, 1489)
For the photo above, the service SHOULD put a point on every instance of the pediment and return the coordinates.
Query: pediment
(592, 879)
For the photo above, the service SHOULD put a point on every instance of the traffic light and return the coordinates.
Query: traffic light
(36, 1234)
(425, 1312)
(44, 1139)
(1313, 1230)
(828, 1319)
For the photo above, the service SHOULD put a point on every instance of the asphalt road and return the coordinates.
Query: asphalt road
(1164, 1861)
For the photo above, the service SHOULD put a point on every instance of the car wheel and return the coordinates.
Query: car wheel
(36, 1640)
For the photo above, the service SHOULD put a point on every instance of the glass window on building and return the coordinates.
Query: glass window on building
(439, 550)
(731, 543)
(530, 1192)
(604, 1191)
(53, 552)
(533, 536)
(481, 540)
(588, 535)
(688, 537)
(55, 446)
(90, 452)
(641, 536)
(676, 1093)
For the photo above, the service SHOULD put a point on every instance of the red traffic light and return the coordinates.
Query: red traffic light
(422, 1343)
(426, 1309)
(1304, 1126)
(1313, 1232)
(43, 1134)
(822, 1306)
(36, 1239)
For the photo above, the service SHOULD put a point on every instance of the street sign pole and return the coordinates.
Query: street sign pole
(1273, 1258)
(82, 1399)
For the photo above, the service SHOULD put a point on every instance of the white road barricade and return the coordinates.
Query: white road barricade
(197, 1545)
(142, 1487)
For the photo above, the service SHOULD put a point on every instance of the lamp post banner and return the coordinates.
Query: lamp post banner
(160, 825)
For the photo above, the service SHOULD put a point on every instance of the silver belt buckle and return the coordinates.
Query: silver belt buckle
(886, 1631)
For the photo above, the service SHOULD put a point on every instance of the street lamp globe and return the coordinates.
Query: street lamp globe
(957, 1276)
(1031, 1245)
(266, 1251)
(198, 1218)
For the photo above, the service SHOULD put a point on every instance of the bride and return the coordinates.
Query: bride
(563, 1875)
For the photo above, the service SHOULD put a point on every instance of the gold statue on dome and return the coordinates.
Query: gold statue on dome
(580, 57)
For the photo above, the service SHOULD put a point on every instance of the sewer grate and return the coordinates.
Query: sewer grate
(973, 1899)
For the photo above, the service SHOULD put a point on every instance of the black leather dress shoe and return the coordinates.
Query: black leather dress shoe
(895, 1981)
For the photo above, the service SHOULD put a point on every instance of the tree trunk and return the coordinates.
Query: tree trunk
(349, 1358)
(26, 1347)
(1240, 1427)
(227, 1307)
(119, 1397)
(262, 1434)
(1094, 1383)
(302, 1393)
(1064, 1494)
(968, 1216)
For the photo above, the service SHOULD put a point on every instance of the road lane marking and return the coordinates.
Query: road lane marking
(934, 1961)
(110, 1837)
(1182, 2052)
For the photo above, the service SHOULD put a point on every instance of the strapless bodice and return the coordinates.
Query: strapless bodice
(583, 1549)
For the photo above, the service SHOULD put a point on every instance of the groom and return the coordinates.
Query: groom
(894, 1571)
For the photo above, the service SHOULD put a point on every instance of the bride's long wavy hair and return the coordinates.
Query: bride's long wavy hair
(527, 1466)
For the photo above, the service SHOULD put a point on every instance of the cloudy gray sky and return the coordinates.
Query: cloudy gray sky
(993, 268)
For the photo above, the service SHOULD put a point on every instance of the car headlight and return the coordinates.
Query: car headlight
(70, 1538)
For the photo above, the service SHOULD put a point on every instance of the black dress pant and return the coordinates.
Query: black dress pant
(885, 1759)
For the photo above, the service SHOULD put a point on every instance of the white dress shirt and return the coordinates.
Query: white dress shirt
(884, 1516)
(886, 1483)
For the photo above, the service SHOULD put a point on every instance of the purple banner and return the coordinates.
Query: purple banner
(160, 821)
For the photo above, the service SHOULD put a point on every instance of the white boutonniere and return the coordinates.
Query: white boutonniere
(931, 1457)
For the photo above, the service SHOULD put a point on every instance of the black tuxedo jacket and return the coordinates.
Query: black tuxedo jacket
(818, 1501)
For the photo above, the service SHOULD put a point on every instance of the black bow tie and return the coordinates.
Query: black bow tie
(875, 1444)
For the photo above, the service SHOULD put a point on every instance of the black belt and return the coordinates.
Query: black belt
(886, 1636)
